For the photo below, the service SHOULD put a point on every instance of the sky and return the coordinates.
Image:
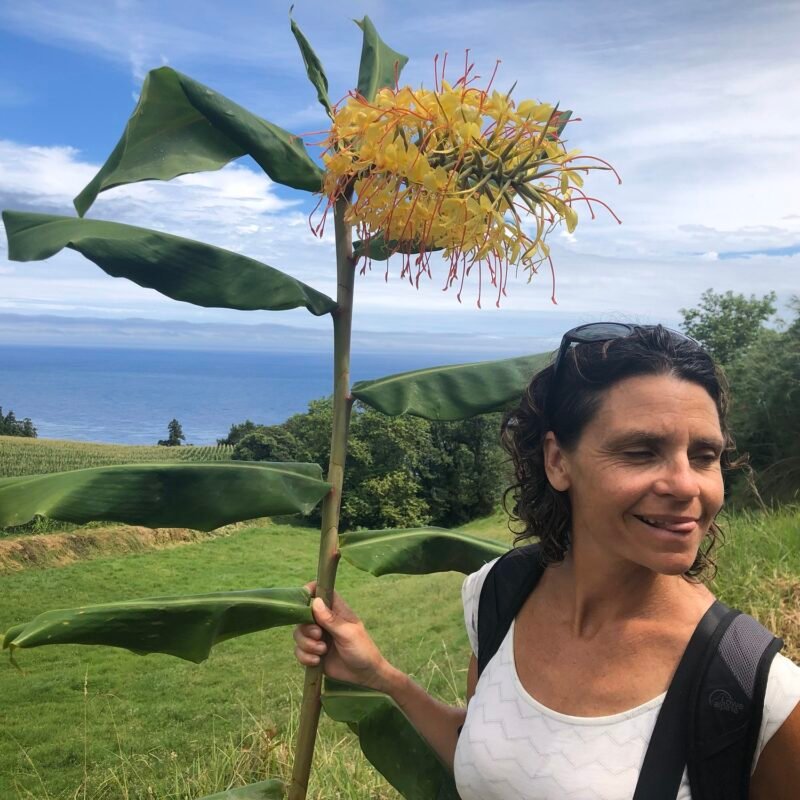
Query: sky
(695, 105)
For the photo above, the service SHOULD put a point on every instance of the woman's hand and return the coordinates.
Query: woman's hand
(351, 656)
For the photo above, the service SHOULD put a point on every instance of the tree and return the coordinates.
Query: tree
(176, 436)
(239, 431)
(727, 324)
(765, 408)
(11, 426)
(466, 471)
(267, 443)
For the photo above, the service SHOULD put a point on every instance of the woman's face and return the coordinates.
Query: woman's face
(644, 480)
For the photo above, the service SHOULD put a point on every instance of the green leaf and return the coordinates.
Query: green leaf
(181, 126)
(265, 790)
(417, 551)
(452, 392)
(563, 119)
(316, 74)
(183, 626)
(178, 268)
(184, 495)
(378, 250)
(380, 65)
(390, 742)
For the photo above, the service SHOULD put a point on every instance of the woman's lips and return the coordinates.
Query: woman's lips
(673, 524)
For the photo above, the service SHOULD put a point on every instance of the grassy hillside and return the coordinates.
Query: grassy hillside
(102, 723)
(22, 456)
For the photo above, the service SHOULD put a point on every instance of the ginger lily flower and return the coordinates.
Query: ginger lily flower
(459, 169)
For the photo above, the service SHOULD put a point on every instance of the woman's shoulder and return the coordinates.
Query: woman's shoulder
(470, 595)
(518, 559)
(781, 698)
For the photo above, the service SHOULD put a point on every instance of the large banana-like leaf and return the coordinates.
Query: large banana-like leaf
(265, 790)
(178, 268)
(390, 742)
(185, 495)
(186, 627)
(451, 392)
(316, 74)
(380, 65)
(417, 551)
(181, 126)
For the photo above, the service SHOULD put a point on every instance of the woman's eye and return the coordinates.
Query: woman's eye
(707, 458)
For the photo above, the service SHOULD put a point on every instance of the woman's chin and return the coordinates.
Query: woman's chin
(675, 563)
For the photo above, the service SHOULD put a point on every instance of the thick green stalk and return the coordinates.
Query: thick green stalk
(329, 538)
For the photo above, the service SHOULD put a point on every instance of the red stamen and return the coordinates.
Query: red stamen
(590, 200)
(463, 275)
(595, 158)
(491, 80)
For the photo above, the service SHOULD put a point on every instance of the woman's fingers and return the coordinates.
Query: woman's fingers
(307, 659)
(308, 643)
(310, 630)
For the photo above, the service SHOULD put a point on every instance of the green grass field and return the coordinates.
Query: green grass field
(102, 723)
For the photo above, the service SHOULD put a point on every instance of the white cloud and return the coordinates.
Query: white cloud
(43, 174)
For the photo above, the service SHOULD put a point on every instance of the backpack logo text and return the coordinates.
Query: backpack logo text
(721, 700)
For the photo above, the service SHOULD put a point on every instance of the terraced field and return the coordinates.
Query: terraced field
(22, 456)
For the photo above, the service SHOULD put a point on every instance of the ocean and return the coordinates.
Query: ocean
(128, 396)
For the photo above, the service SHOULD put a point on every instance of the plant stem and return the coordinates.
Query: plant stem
(329, 537)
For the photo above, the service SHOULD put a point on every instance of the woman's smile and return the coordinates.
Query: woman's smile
(678, 525)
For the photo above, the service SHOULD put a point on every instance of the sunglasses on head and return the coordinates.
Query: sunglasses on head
(604, 332)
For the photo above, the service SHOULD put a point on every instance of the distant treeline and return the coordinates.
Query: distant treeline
(11, 426)
(401, 471)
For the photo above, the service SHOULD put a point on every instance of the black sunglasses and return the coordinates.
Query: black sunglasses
(604, 332)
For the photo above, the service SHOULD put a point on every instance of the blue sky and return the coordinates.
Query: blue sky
(694, 104)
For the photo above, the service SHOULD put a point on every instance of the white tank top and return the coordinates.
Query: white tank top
(513, 748)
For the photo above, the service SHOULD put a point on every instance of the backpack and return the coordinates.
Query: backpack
(711, 715)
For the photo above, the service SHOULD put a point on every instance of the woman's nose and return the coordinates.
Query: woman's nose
(678, 479)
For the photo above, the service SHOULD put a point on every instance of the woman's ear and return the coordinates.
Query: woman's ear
(555, 465)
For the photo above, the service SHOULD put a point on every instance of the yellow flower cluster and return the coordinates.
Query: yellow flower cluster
(457, 169)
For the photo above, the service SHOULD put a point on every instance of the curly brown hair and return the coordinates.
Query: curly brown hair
(567, 406)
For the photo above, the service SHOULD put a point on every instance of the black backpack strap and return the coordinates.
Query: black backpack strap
(666, 756)
(506, 586)
(726, 709)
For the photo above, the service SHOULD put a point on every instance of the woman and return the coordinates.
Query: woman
(619, 448)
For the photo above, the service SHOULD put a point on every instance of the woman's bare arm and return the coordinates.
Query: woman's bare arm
(777, 775)
(352, 656)
(437, 722)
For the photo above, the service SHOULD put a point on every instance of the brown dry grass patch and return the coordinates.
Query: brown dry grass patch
(785, 619)
(60, 549)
